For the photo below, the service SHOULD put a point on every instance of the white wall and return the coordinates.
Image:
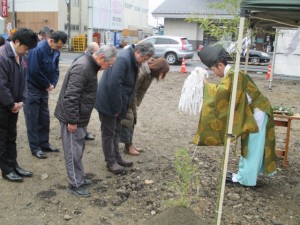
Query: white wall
(79, 16)
(35, 5)
(62, 15)
(179, 27)
(136, 13)
(286, 65)
(1, 25)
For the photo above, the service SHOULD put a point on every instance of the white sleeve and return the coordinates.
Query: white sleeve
(258, 114)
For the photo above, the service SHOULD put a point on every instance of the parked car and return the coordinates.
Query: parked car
(173, 48)
(255, 57)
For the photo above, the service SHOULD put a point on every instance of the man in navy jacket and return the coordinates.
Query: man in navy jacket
(114, 92)
(43, 73)
(12, 98)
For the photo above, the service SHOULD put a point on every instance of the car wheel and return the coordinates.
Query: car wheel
(171, 58)
(254, 60)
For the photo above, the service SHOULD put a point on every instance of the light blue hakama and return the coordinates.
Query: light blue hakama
(250, 167)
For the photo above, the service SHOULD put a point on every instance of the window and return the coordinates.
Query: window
(73, 26)
(151, 40)
(165, 41)
(128, 6)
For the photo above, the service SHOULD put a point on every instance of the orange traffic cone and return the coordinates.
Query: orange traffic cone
(183, 68)
(269, 71)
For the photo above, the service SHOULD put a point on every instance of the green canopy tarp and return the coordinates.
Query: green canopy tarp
(272, 12)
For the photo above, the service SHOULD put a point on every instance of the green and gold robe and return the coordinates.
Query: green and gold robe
(214, 116)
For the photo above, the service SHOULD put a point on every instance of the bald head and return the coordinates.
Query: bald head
(92, 47)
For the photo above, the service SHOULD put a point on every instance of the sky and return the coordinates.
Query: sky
(151, 20)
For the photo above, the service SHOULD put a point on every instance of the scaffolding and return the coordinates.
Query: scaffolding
(79, 43)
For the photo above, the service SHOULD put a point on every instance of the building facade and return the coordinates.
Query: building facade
(108, 16)
(175, 17)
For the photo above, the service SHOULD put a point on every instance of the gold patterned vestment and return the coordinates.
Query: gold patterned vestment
(214, 116)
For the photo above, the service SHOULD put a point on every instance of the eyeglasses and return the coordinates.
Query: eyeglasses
(59, 45)
(110, 62)
(56, 45)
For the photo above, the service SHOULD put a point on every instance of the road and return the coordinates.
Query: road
(68, 57)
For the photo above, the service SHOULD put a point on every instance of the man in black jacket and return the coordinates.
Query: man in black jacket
(74, 108)
(12, 96)
(114, 92)
(91, 49)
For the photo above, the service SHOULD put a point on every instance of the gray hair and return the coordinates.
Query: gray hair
(92, 47)
(109, 52)
(145, 48)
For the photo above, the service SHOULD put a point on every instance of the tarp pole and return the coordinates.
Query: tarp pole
(231, 116)
(248, 50)
(273, 59)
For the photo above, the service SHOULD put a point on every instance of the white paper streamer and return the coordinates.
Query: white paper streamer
(192, 92)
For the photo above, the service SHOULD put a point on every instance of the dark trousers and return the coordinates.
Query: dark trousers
(8, 135)
(37, 118)
(110, 134)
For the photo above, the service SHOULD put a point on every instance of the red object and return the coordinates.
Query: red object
(200, 47)
(269, 71)
(97, 37)
(183, 67)
(4, 8)
(182, 44)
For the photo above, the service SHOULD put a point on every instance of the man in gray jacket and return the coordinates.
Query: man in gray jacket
(114, 92)
(74, 108)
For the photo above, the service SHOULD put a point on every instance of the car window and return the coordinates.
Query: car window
(151, 40)
(185, 41)
(165, 41)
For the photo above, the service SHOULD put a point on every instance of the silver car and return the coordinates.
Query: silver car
(173, 48)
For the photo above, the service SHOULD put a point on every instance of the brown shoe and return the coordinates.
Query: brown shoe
(137, 149)
(129, 149)
(115, 168)
(133, 151)
(125, 163)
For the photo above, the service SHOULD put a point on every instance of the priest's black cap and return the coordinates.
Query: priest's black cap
(213, 53)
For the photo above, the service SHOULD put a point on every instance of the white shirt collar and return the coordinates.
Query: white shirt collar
(13, 48)
(227, 68)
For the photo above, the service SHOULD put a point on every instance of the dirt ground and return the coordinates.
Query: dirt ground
(128, 200)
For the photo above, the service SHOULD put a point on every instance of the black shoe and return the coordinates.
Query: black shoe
(229, 178)
(23, 173)
(80, 191)
(50, 148)
(12, 176)
(115, 168)
(125, 163)
(40, 154)
(86, 183)
(89, 137)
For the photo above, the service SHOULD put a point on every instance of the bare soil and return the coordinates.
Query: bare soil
(128, 200)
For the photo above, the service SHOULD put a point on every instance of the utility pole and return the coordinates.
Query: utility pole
(68, 2)
(14, 15)
(90, 22)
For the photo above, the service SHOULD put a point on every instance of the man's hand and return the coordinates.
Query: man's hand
(72, 128)
(17, 107)
(50, 88)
